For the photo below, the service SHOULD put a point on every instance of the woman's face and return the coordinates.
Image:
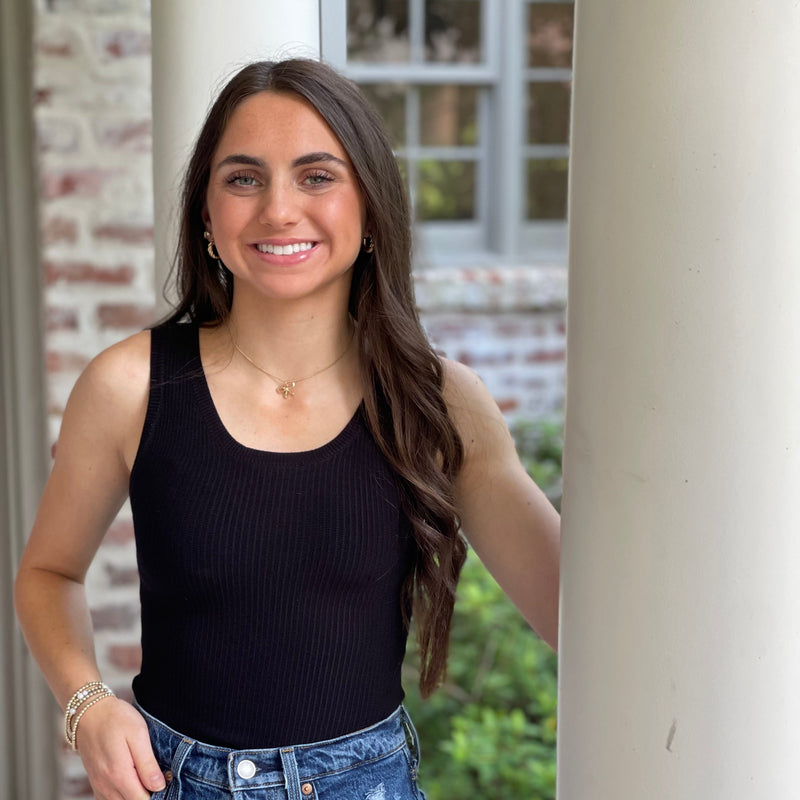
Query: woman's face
(283, 203)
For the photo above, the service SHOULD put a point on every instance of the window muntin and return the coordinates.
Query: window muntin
(548, 87)
(476, 96)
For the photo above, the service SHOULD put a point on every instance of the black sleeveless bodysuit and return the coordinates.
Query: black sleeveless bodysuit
(270, 582)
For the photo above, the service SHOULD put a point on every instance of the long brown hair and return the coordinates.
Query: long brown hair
(403, 376)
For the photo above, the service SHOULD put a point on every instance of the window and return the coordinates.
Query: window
(476, 95)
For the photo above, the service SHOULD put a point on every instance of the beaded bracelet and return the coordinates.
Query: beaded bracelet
(80, 702)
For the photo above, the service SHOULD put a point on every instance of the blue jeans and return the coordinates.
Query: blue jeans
(377, 763)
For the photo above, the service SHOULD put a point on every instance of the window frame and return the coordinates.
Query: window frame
(500, 232)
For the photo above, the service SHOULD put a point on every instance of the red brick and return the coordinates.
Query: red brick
(120, 532)
(73, 182)
(509, 330)
(133, 135)
(124, 44)
(126, 656)
(59, 229)
(42, 96)
(65, 362)
(491, 359)
(122, 576)
(508, 404)
(125, 316)
(61, 319)
(54, 48)
(115, 617)
(545, 356)
(86, 272)
(129, 234)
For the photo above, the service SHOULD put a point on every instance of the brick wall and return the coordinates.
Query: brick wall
(92, 113)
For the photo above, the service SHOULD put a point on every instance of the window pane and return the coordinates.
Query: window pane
(550, 34)
(547, 188)
(377, 30)
(548, 113)
(449, 115)
(390, 101)
(446, 190)
(453, 30)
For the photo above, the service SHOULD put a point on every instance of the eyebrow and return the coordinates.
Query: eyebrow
(300, 161)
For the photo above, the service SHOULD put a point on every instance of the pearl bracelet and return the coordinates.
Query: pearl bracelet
(80, 702)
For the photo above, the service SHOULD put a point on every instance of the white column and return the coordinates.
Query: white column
(197, 46)
(680, 650)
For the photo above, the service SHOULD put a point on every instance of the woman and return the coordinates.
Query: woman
(299, 463)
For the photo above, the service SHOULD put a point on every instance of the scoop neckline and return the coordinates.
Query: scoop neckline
(214, 424)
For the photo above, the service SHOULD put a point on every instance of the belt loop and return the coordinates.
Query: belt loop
(175, 767)
(412, 739)
(290, 774)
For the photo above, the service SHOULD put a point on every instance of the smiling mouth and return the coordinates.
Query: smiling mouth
(284, 249)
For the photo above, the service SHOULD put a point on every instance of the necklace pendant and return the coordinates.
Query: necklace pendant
(286, 389)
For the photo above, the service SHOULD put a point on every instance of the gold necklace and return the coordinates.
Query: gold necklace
(286, 387)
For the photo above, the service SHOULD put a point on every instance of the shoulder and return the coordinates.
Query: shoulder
(473, 410)
(110, 397)
(120, 371)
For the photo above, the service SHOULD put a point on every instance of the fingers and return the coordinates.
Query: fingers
(115, 747)
(144, 760)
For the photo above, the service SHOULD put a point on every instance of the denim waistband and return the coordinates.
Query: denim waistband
(272, 767)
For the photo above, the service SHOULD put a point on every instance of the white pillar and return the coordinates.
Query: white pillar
(680, 670)
(197, 46)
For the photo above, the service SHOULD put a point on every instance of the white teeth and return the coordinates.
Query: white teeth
(284, 250)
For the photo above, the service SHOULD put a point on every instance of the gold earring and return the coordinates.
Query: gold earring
(368, 244)
(213, 253)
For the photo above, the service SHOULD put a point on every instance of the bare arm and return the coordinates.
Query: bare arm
(88, 483)
(507, 519)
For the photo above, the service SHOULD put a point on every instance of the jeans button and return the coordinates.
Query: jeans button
(246, 769)
(306, 789)
(168, 776)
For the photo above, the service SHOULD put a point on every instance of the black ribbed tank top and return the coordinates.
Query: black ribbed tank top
(270, 582)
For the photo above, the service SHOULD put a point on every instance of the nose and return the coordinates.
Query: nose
(279, 207)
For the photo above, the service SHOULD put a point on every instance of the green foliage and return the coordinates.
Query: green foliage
(490, 730)
(540, 445)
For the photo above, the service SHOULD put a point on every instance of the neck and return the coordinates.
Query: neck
(290, 344)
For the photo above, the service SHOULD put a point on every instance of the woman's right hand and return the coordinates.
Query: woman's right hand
(114, 744)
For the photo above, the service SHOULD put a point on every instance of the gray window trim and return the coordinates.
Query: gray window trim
(333, 32)
(500, 233)
(27, 710)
